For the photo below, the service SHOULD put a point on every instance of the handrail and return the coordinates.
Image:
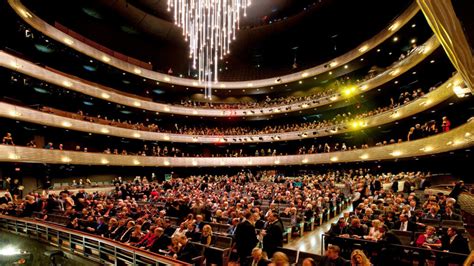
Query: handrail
(437, 96)
(54, 33)
(152, 257)
(457, 138)
(101, 92)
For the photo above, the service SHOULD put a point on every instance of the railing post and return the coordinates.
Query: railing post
(322, 244)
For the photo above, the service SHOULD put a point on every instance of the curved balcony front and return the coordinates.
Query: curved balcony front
(94, 90)
(458, 138)
(436, 96)
(82, 47)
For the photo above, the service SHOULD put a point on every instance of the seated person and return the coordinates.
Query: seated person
(332, 257)
(429, 239)
(454, 242)
(188, 251)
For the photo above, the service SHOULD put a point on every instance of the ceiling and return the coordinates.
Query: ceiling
(275, 34)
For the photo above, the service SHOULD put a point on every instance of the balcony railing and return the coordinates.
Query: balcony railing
(29, 17)
(74, 122)
(458, 138)
(91, 247)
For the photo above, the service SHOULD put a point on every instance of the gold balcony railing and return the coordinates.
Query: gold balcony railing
(29, 17)
(457, 138)
(91, 247)
(436, 96)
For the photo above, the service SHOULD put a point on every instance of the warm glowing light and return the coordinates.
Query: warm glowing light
(457, 142)
(395, 115)
(13, 156)
(222, 86)
(394, 26)
(105, 58)
(9, 251)
(304, 105)
(166, 163)
(305, 74)
(334, 159)
(333, 64)
(105, 95)
(25, 13)
(304, 135)
(460, 91)
(222, 162)
(195, 112)
(394, 72)
(104, 161)
(136, 162)
(137, 104)
(195, 163)
(396, 153)
(68, 41)
(277, 162)
(395, 39)
(167, 109)
(333, 98)
(364, 156)
(14, 113)
(14, 64)
(136, 135)
(209, 27)
(66, 124)
(427, 149)
(195, 139)
(349, 91)
(66, 159)
(67, 83)
(250, 162)
(304, 160)
(167, 79)
(137, 71)
(104, 130)
(166, 137)
(195, 83)
(363, 48)
(250, 85)
(364, 87)
(413, 41)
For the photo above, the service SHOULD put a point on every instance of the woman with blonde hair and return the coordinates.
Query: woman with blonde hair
(374, 233)
(279, 259)
(358, 258)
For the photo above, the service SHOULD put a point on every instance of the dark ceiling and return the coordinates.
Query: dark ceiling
(275, 34)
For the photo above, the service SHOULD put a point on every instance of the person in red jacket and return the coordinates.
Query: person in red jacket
(446, 124)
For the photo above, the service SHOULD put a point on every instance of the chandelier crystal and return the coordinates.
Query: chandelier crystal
(209, 26)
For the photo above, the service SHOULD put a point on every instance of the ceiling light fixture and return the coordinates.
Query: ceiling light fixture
(209, 26)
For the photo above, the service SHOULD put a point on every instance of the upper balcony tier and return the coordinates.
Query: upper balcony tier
(61, 119)
(455, 139)
(135, 67)
(98, 91)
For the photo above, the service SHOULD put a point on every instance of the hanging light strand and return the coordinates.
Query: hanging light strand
(209, 26)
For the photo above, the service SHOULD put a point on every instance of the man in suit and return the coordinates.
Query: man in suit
(161, 241)
(332, 257)
(245, 236)
(257, 258)
(272, 235)
(127, 232)
(456, 243)
(450, 215)
(404, 224)
(187, 252)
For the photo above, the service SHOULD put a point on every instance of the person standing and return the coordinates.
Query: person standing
(245, 237)
(272, 235)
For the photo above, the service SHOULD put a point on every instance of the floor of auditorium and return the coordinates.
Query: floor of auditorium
(311, 241)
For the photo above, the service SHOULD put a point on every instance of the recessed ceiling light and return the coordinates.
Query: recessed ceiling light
(413, 25)
(432, 61)
(395, 39)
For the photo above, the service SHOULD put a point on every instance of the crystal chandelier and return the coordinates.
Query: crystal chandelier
(209, 26)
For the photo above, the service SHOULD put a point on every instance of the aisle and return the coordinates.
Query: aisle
(311, 241)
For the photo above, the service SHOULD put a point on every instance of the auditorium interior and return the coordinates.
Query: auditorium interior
(237, 132)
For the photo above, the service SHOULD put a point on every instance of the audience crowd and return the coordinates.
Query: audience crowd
(177, 216)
